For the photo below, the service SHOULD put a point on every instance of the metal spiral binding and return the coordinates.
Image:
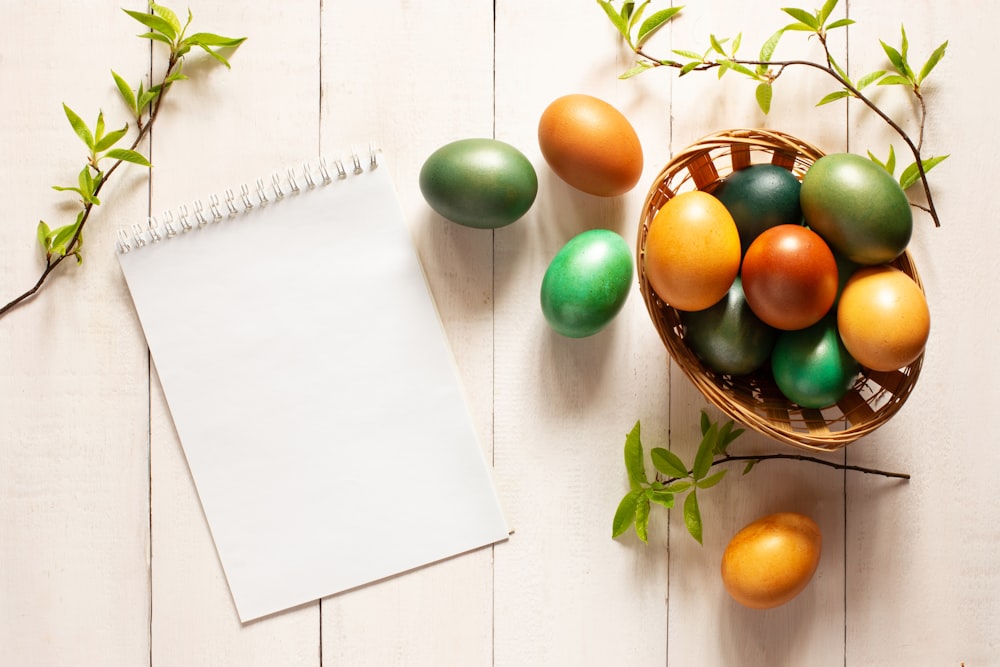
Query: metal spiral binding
(232, 204)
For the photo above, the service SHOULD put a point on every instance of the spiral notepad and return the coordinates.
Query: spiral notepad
(310, 383)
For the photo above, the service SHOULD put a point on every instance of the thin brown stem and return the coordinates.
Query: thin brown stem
(52, 262)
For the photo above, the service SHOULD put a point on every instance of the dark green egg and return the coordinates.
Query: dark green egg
(481, 183)
(811, 366)
(759, 197)
(587, 283)
(728, 337)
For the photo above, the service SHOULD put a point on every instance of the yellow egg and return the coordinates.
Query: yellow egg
(590, 145)
(771, 560)
(692, 251)
(883, 318)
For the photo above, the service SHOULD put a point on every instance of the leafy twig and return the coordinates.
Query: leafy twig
(673, 477)
(721, 55)
(164, 26)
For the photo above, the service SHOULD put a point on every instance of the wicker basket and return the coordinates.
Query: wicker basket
(754, 400)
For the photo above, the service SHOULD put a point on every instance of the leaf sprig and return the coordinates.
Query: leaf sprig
(104, 152)
(673, 478)
(722, 55)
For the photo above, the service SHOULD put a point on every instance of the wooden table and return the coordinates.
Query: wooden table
(105, 557)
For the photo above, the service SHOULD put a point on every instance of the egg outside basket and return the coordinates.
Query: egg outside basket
(754, 400)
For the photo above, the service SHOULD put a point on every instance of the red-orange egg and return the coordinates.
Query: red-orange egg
(789, 277)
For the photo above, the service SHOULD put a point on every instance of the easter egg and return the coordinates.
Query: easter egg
(857, 207)
(590, 145)
(771, 560)
(759, 197)
(727, 336)
(587, 283)
(691, 252)
(883, 318)
(811, 366)
(789, 277)
(481, 183)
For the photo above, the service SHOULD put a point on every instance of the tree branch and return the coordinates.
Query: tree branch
(781, 65)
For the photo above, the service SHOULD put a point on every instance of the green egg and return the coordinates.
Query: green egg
(481, 183)
(811, 366)
(857, 207)
(759, 197)
(587, 283)
(728, 337)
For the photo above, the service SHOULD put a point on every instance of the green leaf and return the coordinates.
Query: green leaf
(655, 22)
(167, 15)
(688, 54)
(158, 37)
(690, 67)
(86, 181)
(763, 94)
(825, 11)
(895, 80)
(705, 423)
(767, 49)
(727, 438)
(933, 60)
(869, 79)
(626, 10)
(635, 14)
(749, 466)
(62, 236)
(145, 98)
(711, 480)
(43, 232)
(890, 164)
(668, 463)
(127, 155)
(737, 67)
(211, 39)
(833, 97)
(692, 515)
(642, 518)
(717, 45)
(625, 514)
(215, 54)
(99, 128)
(706, 452)
(803, 17)
(678, 487)
(800, 27)
(126, 91)
(616, 20)
(664, 498)
(911, 174)
(840, 23)
(154, 22)
(894, 57)
(639, 68)
(65, 188)
(79, 127)
(111, 139)
(634, 465)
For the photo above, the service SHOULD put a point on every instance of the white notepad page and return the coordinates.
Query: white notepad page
(314, 394)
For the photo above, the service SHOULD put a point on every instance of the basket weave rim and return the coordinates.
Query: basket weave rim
(704, 163)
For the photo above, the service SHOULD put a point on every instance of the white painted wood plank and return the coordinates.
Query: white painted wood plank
(73, 488)
(419, 77)
(922, 584)
(567, 593)
(220, 129)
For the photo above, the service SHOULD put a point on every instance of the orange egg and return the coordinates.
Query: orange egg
(692, 251)
(772, 560)
(883, 318)
(590, 145)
